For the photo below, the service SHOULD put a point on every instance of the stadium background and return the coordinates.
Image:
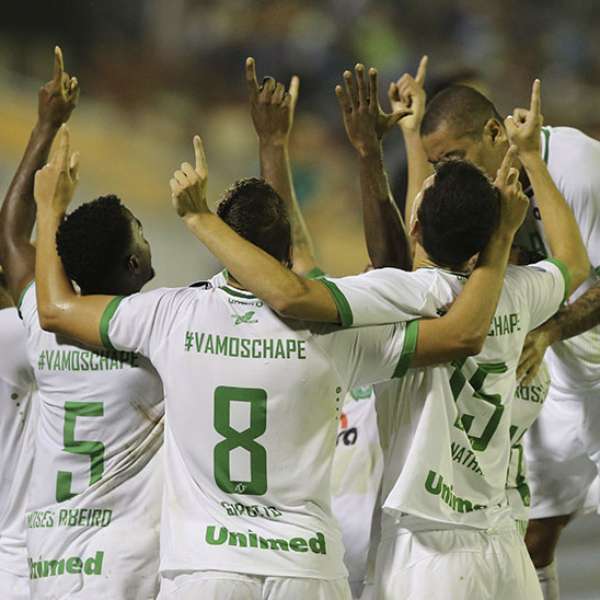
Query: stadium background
(153, 72)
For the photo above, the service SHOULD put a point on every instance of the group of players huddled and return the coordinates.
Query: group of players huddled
(277, 434)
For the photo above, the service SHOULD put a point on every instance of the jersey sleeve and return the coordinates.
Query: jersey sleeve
(27, 307)
(380, 296)
(543, 287)
(140, 322)
(368, 355)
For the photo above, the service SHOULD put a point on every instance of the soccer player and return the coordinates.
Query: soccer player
(17, 410)
(447, 509)
(564, 447)
(94, 499)
(245, 514)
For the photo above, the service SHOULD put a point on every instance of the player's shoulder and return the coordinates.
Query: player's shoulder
(14, 367)
(570, 153)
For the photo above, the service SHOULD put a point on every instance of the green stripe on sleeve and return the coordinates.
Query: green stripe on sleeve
(565, 273)
(408, 348)
(343, 307)
(107, 315)
(22, 296)
(314, 273)
(546, 133)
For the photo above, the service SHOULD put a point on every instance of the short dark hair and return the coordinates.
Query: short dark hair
(92, 240)
(254, 210)
(458, 213)
(464, 109)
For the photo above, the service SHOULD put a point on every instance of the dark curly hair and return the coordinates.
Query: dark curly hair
(458, 213)
(253, 209)
(92, 240)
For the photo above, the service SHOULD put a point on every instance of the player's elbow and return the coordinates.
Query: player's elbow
(470, 343)
(49, 317)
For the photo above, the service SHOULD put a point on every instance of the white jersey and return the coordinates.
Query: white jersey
(356, 477)
(253, 403)
(16, 441)
(95, 495)
(573, 161)
(525, 409)
(450, 440)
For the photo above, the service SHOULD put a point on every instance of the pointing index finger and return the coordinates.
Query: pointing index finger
(422, 70)
(201, 167)
(294, 88)
(59, 65)
(536, 97)
(251, 76)
(61, 159)
(507, 163)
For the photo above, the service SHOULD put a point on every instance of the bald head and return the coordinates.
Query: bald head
(462, 109)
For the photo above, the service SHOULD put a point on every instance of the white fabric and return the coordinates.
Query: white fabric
(548, 578)
(447, 448)
(14, 587)
(220, 585)
(573, 160)
(455, 564)
(356, 477)
(563, 454)
(99, 435)
(526, 407)
(231, 368)
(17, 410)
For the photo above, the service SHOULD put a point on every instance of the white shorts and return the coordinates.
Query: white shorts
(562, 449)
(13, 587)
(455, 564)
(221, 585)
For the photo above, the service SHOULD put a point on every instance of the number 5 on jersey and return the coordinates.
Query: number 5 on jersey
(246, 439)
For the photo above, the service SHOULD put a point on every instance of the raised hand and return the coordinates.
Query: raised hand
(272, 106)
(513, 202)
(408, 94)
(188, 184)
(364, 120)
(58, 97)
(55, 183)
(524, 125)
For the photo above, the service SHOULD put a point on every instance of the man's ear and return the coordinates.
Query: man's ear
(133, 264)
(494, 132)
(416, 233)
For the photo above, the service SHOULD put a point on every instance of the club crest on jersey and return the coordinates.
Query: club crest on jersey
(240, 488)
(245, 319)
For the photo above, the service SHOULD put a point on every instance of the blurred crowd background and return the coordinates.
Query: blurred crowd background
(154, 72)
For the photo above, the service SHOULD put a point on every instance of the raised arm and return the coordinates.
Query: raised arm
(272, 109)
(462, 330)
(366, 124)
(408, 93)
(60, 309)
(560, 226)
(56, 101)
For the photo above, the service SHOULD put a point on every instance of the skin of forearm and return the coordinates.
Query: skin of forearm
(466, 325)
(560, 225)
(419, 169)
(386, 238)
(575, 318)
(17, 216)
(287, 293)
(276, 169)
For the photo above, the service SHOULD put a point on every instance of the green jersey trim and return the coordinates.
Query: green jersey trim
(22, 296)
(315, 273)
(237, 293)
(343, 306)
(408, 348)
(564, 270)
(546, 133)
(107, 315)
